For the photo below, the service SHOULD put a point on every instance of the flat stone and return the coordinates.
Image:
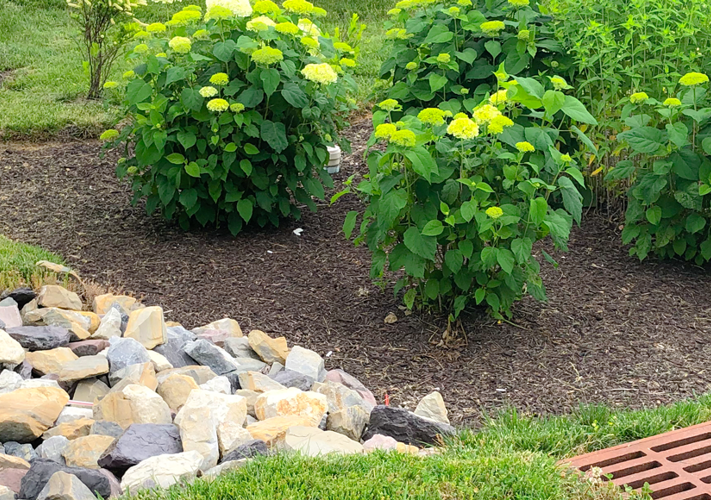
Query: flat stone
(109, 327)
(135, 404)
(141, 374)
(84, 367)
(107, 428)
(90, 389)
(219, 384)
(159, 361)
(258, 382)
(273, 430)
(12, 478)
(404, 426)
(77, 324)
(51, 360)
(85, 451)
(90, 347)
(249, 365)
(251, 397)
(10, 460)
(312, 442)
(26, 413)
(10, 316)
(72, 413)
(9, 381)
(22, 296)
(200, 374)
(173, 348)
(432, 407)
(238, 347)
(341, 377)
(269, 349)
(63, 486)
(11, 352)
(208, 354)
(52, 449)
(306, 362)
(44, 381)
(102, 303)
(40, 338)
(100, 482)
(341, 397)
(250, 449)
(147, 326)
(175, 390)
(216, 337)
(138, 443)
(124, 352)
(227, 325)
(275, 368)
(198, 432)
(290, 378)
(57, 296)
(6, 493)
(162, 471)
(350, 422)
(71, 430)
(6, 301)
(94, 320)
(292, 401)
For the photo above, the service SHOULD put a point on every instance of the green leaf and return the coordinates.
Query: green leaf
(654, 215)
(488, 257)
(584, 138)
(390, 205)
(695, 223)
(293, 94)
(192, 169)
(275, 135)
(175, 158)
(493, 47)
(245, 208)
(505, 258)
(553, 101)
(188, 198)
(224, 50)
(174, 74)
(539, 208)
(678, 133)
(432, 289)
(349, 223)
(422, 162)
(479, 295)
(706, 144)
(437, 81)
(137, 91)
(576, 110)
(191, 99)
(409, 298)
(643, 139)
(439, 34)
(424, 246)
(533, 87)
(572, 199)
(186, 139)
(468, 210)
(433, 228)
(522, 248)
(246, 166)
(467, 248)
(623, 170)
(251, 149)
(468, 55)
(454, 260)
(270, 79)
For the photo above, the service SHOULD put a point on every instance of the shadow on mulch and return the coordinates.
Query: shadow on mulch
(614, 331)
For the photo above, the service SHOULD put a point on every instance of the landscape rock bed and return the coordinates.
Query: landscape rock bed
(109, 398)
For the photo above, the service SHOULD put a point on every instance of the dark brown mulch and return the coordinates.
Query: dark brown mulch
(614, 331)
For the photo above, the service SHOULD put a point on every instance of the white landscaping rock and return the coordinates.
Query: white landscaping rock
(159, 361)
(312, 442)
(162, 471)
(198, 432)
(9, 381)
(11, 352)
(110, 325)
(291, 402)
(219, 384)
(306, 362)
(432, 407)
(71, 413)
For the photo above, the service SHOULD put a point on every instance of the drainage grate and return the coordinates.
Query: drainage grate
(677, 464)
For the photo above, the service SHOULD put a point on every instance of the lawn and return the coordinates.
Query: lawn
(17, 263)
(42, 83)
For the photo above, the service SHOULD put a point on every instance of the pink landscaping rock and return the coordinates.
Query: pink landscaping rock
(10, 316)
(351, 382)
(217, 337)
(12, 478)
(380, 442)
(89, 347)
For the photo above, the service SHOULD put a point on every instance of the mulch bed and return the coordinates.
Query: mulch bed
(614, 331)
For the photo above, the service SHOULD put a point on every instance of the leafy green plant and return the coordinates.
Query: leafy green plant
(446, 53)
(232, 115)
(669, 167)
(459, 204)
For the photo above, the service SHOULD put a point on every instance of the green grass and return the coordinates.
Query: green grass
(17, 264)
(42, 83)
(512, 457)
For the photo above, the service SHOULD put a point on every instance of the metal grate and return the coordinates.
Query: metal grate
(676, 464)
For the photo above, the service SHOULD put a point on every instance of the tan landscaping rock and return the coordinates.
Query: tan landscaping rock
(135, 404)
(12, 462)
(140, 373)
(198, 432)
(350, 422)
(85, 451)
(102, 303)
(269, 349)
(90, 389)
(94, 320)
(258, 382)
(226, 325)
(71, 320)
(147, 326)
(11, 352)
(7, 494)
(175, 390)
(84, 367)
(200, 374)
(432, 407)
(273, 430)
(340, 397)
(110, 326)
(63, 486)
(251, 397)
(312, 442)
(160, 362)
(71, 430)
(50, 361)
(162, 471)
(26, 413)
(291, 401)
(57, 296)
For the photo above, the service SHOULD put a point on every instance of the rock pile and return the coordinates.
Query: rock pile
(115, 399)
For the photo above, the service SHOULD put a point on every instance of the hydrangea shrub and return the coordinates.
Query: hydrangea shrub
(232, 112)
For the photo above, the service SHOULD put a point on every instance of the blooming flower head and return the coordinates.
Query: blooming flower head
(498, 97)
(463, 128)
(431, 116)
(266, 7)
(240, 8)
(180, 44)
(217, 13)
(141, 48)
(399, 33)
(566, 158)
(691, 79)
(218, 105)
(220, 79)
(109, 134)
(390, 105)
(309, 28)
(186, 16)
(208, 91)
(319, 12)
(524, 35)
(638, 97)
(342, 47)
(494, 212)
(261, 23)
(453, 11)
(141, 35)
(347, 62)
(129, 74)
(310, 42)
(559, 82)
(161, 54)
(394, 12)
(411, 66)
(498, 123)
(287, 28)
(156, 28)
(298, 6)
(444, 58)
(485, 113)
(492, 27)
(525, 147)
(464, 3)
(672, 102)
(404, 138)
(320, 73)
(201, 34)
(267, 55)
(385, 130)
(237, 107)
(519, 3)
(196, 8)
(110, 85)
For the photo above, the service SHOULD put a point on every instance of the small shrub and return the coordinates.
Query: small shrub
(669, 166)
(445, 54)
(232, 113)
(458, 203)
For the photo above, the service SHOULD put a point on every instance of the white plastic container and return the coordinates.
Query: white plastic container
(334, 162)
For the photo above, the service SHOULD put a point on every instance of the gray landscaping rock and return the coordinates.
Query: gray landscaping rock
(99, 481)
(238, 347)
(23, 451)
(8, 302)
(208, 354)
(250, 365)
(405, 426)
(124, 352)
(40, 338)
(106, 428)
(9, 381)
(249, 449)
(139, 442)
(290, 378)
(351, 382)
(275, 368)
(307, 362)
(89, 347)
(52, 448)
(173, 349)
(63, 486)
(24, 369)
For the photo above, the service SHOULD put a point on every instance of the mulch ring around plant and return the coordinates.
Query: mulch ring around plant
(614, 331)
